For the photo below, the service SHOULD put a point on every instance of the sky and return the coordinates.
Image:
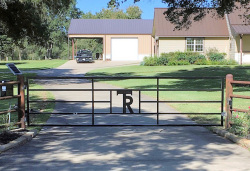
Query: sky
(147, 6)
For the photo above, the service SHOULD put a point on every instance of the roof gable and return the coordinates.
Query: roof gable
(208, 27)
(110, 26)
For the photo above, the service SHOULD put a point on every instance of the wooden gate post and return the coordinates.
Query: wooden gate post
(229, 92)
(21, 101)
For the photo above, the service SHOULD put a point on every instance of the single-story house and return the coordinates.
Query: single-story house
(123, 39)
(201, 36)
(230, 35)
(239, 29)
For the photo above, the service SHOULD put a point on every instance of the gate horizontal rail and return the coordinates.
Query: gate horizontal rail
(119, 113)
(126, 89)
(92, 80)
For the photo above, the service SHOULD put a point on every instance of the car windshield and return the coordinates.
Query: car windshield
(84, 53)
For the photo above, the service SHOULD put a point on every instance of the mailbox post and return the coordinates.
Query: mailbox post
(6, 90)
(3, 90)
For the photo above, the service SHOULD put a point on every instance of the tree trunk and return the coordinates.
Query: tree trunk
(19, 55)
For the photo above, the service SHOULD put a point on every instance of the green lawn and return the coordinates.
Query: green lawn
(5, 74)
(34, 64)
(239, 72)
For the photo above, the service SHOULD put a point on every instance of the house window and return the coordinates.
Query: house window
(194, 44)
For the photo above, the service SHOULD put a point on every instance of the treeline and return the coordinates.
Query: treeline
(53, 41)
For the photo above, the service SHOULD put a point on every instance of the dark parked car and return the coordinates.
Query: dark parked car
(84, 56)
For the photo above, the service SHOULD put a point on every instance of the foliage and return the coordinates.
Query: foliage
(55, 19)
(214, 55)
(185, 58)
(222, 62)
(29, 18)
(241, 124)
(174, 58)
(151, 61)
(6, 46)
(134, 12)
(182, 12)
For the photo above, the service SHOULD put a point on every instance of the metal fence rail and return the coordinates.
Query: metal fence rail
(94, 90)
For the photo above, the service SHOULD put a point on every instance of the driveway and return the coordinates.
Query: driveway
(120, 148)
(71, 68)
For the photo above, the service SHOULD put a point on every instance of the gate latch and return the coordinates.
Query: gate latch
(224, 114)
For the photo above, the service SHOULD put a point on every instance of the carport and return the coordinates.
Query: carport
(123, 39)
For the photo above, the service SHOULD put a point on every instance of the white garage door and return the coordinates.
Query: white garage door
(124, 49)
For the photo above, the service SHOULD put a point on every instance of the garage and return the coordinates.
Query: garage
(124, 49)
(122, 39)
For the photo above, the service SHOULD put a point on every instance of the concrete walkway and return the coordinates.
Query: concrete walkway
(120, 148)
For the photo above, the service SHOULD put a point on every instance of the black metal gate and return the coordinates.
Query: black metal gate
(127, 99)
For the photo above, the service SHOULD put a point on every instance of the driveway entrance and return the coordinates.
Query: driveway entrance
(121, 148)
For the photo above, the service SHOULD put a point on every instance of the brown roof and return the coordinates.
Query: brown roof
(239, 23)
(208, 27)
(236, 17)
(241, 29)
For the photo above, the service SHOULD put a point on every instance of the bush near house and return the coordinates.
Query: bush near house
(214, 55)
(188, 58)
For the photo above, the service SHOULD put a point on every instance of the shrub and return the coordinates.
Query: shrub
(201, 62)
(241, 124)
(223, 62)
(162, 60)
(187, 58)
(182, 58)
(214, 55)
(180, 62)
(150, 61)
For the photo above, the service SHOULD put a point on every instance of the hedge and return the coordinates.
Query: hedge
(187, 58)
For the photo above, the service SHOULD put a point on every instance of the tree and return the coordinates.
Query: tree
(134, 12)
(49, 41)
(29, 18)
(183, 12)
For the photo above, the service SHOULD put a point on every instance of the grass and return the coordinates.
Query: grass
(34, 64)
(5, 74)
(42, 107)
(239, 72)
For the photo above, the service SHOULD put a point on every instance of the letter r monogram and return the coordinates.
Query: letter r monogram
(125, 97)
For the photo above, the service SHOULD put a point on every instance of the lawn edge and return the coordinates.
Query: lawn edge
(238, 140)
(19, 141)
